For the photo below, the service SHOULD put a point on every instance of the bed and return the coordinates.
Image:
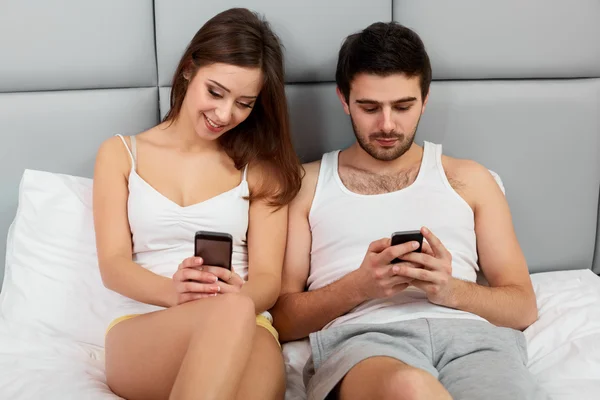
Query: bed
(45, 358)
(516, 87)
(52, 346)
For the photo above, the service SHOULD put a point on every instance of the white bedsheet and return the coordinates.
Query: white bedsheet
(564, 350)
(38, 366)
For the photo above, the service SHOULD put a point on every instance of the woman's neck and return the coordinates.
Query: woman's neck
(187, 140)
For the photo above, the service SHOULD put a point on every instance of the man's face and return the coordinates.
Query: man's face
(385, 113)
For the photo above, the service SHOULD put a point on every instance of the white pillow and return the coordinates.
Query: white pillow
(52, 282)
(498, 180)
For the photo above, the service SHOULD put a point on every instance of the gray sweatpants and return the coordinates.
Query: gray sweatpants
(473, 359)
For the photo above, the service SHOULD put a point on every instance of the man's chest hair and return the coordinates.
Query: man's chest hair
(368, 183)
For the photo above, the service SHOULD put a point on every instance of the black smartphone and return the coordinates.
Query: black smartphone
(215, 248)
(407, 236)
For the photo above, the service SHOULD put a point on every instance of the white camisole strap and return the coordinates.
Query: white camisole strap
(133, 148)
(245, 175)
(132, 151)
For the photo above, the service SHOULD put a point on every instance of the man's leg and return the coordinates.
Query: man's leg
(373, 361)
(387, 378)
(481, 361)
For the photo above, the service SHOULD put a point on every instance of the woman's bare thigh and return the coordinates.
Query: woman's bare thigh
(143, 354)
(264, 377)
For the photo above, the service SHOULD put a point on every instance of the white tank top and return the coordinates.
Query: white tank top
(344, 223)
(163, 231)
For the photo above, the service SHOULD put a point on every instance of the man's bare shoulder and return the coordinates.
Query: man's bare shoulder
(468, 177)
(311, 170)
(464, 168)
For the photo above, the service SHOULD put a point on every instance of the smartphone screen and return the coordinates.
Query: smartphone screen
(215, 248)
(404, 237)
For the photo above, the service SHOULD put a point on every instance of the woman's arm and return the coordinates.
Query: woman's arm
(267, 233)
(113, 236)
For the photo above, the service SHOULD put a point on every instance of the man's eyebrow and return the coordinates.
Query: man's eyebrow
(373, 102)
(229, 91)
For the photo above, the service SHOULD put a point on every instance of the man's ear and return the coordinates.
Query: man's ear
(425, 100)
(343, 100)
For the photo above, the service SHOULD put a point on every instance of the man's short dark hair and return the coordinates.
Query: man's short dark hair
(383, 48)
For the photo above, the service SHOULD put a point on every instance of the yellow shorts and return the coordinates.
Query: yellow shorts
(261, 320)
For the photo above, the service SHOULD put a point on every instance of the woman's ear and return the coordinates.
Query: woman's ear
(188, 71)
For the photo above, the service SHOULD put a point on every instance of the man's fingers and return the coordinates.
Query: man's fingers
(394, 290)
(392, 252)
(400, 287)
(426, 248)
(398, 280)
(379, 245)
(419, 274)
(438, 248)
(424, 286)
(423, 260)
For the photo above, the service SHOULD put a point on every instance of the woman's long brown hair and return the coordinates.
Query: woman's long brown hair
(239, 37)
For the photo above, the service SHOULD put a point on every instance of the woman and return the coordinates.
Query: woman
(222, 160)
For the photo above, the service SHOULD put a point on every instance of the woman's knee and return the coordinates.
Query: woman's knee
(231, 309)
(238, 302)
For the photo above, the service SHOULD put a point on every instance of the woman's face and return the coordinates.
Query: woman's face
(219, 97)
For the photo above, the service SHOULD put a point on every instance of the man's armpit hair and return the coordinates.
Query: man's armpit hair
(456, 184)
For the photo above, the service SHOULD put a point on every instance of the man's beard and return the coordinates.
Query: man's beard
(403, 143)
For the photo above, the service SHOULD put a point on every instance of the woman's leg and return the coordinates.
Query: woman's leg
(264, 377)
(197, 347)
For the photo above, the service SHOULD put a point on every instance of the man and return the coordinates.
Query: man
(422, 328)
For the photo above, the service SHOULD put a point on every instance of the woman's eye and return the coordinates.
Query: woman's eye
(214, 94)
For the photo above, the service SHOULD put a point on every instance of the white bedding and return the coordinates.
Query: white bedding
(564, 350)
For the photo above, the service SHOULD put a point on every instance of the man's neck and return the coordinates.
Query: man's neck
(363, 174)
(356, 158)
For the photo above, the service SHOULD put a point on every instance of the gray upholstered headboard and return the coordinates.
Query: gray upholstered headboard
(517, 88)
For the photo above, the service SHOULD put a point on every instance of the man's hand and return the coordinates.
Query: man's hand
(430, 270)
(375, 278)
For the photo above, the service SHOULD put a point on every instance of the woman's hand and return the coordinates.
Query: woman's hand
(230, 282)
(195, 281)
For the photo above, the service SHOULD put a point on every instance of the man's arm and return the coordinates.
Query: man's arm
(509, 300)
(298, 313)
